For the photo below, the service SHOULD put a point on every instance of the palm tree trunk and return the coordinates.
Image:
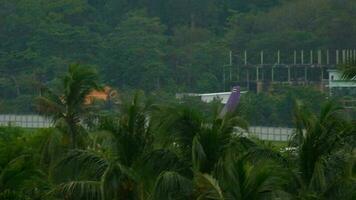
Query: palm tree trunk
(72, 132)
(73, 136)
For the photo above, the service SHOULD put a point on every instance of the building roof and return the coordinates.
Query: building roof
(102, 95)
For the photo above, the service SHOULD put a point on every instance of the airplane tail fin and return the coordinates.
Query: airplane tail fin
(232, 102)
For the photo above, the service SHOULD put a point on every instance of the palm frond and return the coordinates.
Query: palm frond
(318, 180)
(207, 187)
(73, 190)
(50, 107)
(339, 175)
(118, 182)
(16, 172)
(229, 123)
(170, 185)
(242, 180)
(198, 154)
(349, 70)
(157, 161)
(179, 124)
(83, 161)
(52, 147)
(262, 153)
(12, 195)
(78, 83)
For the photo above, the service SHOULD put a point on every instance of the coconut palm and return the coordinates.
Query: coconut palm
(234, 178)
(215, 153)
(197, 139)
(237, 179)
(318, 139)
(175, 152)
(66, 107)
(120, 164)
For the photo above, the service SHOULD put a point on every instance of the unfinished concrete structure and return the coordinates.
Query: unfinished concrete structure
(260, 70)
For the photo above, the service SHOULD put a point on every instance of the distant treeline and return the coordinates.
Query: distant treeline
(170, 45)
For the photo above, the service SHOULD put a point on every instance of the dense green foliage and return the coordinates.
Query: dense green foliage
(150, 149)
(143, 150)
(174, 45)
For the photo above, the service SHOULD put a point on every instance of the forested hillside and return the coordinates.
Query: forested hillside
(172, 45)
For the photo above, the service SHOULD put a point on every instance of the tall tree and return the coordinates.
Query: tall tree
(136, 50)
(318, 139)
(67, 105)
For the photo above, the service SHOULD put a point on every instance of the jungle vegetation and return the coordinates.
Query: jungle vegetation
(150, 146)
(144, 150)
(155, 45)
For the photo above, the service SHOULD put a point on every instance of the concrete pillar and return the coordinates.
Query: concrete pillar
(347, 55)
(337, 57)
(327, 57)
(319, 57)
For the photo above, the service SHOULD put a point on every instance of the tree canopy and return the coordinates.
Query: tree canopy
(156, 44)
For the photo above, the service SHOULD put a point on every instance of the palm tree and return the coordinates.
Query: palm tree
(197, 139)
(67, 106)
(239, 179)
(234, 178)
(120, 164)
(318, 139)
(214, 140)
(176, 153)
(212, 148)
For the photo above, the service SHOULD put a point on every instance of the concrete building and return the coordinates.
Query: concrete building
(340, 87)
(209, 97)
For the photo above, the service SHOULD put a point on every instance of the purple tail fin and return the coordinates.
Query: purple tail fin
(232, 102)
